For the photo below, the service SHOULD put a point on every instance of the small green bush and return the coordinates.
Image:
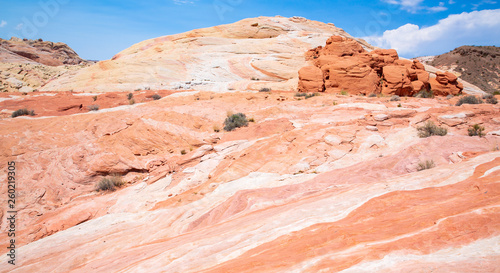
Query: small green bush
(94, 107)
(306, 95)
(94, 98)
(131, 101)
(496, 93)
(23, 112)
(343, 92)
(372, 95)
(265, 89)
(183, 152)
(395, 98)
(110, 183)
(469, 100)
(490, 99)
(431, 129)
(476, 130)
(235, 121)
(428, 164)
(130, 96)
(156, 97)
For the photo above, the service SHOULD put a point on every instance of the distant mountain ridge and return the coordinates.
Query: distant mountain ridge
(479, 65)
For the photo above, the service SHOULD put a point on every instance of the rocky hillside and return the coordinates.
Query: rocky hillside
(27, 65)
(479, 65)
(249, 54)
(17, 50)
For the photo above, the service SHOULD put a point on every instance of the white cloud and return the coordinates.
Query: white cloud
(451, 2)
(414, 6)
(3, 23)
(19, 27)
(474, 28)
(183, 2)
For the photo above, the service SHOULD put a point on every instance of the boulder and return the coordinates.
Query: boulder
(445, 84)
(310, 79)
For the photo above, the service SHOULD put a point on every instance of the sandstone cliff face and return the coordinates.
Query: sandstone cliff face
(344, 65)
(249, 54)
(323, 184)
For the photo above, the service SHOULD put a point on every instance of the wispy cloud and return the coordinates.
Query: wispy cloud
(19, 27)
(3, 23)
(415, 6)
(473, 28)
(184, 2)
(483, 2)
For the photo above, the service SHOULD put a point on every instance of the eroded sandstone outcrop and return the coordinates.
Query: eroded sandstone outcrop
(346, 66)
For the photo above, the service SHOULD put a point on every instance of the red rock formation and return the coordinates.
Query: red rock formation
(44, 52)
(346, 66)
(445, 84)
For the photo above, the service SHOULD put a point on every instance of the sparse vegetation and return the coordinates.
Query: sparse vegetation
(156, 97)
(93, 107)
(395, 98)
(372, 95)
(110, 183)
(469, 100)
(183, 152)
(94, 98)
(130, 96)
(216, 128)
(426, 94)
(306, 95)
(265, 89)
(254, 79)
(428, 164)
(490, 99)
(450, 96)
(251, 120)
(235, 121)
(476, 130)
(431, 129)
(399, 105)
(496, 93)
(131, 101)
(343, 92)
(23, 112)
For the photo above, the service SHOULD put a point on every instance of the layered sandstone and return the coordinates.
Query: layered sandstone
(249, 54)
(308, 187)
(343, 65)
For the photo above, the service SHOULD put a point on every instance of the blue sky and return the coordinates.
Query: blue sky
(98, 30)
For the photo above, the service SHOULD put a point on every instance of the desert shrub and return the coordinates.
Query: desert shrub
(399, 105)
(476, 130)
(431, 129)
(251, 120)
(490, 99)
(306, 95)
(110, 183)
(94, 98)
(395, 98)
(183, 152)
(265, 89)
(131, 101)
(372, 95)
(156, 97)
(496, 93)
(23, 112)
(343, 93)
(426, 94)
(428, 164)
(130, 96)
(469, 100)
(450, 96)
(254, 79)
(235, 121)
(300, 94)
(93, 107)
